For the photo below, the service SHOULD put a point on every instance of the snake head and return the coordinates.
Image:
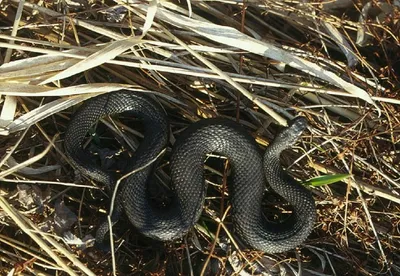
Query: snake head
(289, 135)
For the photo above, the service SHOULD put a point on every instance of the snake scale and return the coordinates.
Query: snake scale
(250, 171)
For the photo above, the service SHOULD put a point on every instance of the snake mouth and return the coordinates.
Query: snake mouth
(288, 136)
(298, 124)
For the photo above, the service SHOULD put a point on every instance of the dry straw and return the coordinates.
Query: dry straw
(333, 62)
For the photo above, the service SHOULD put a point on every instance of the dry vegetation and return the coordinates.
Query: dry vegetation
(258, 61)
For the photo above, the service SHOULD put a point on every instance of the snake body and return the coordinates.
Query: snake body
(250, 171)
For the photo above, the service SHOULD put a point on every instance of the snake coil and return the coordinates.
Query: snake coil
(250, 172)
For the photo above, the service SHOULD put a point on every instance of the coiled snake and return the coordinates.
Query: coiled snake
(250, 172)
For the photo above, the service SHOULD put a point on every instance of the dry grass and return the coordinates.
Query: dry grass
(261, 62)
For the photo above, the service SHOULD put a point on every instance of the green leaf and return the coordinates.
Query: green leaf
(325, 179)
(202, 227)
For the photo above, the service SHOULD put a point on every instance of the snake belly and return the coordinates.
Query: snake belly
(250, 171)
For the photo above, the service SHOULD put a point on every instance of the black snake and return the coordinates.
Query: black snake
(250, 171)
